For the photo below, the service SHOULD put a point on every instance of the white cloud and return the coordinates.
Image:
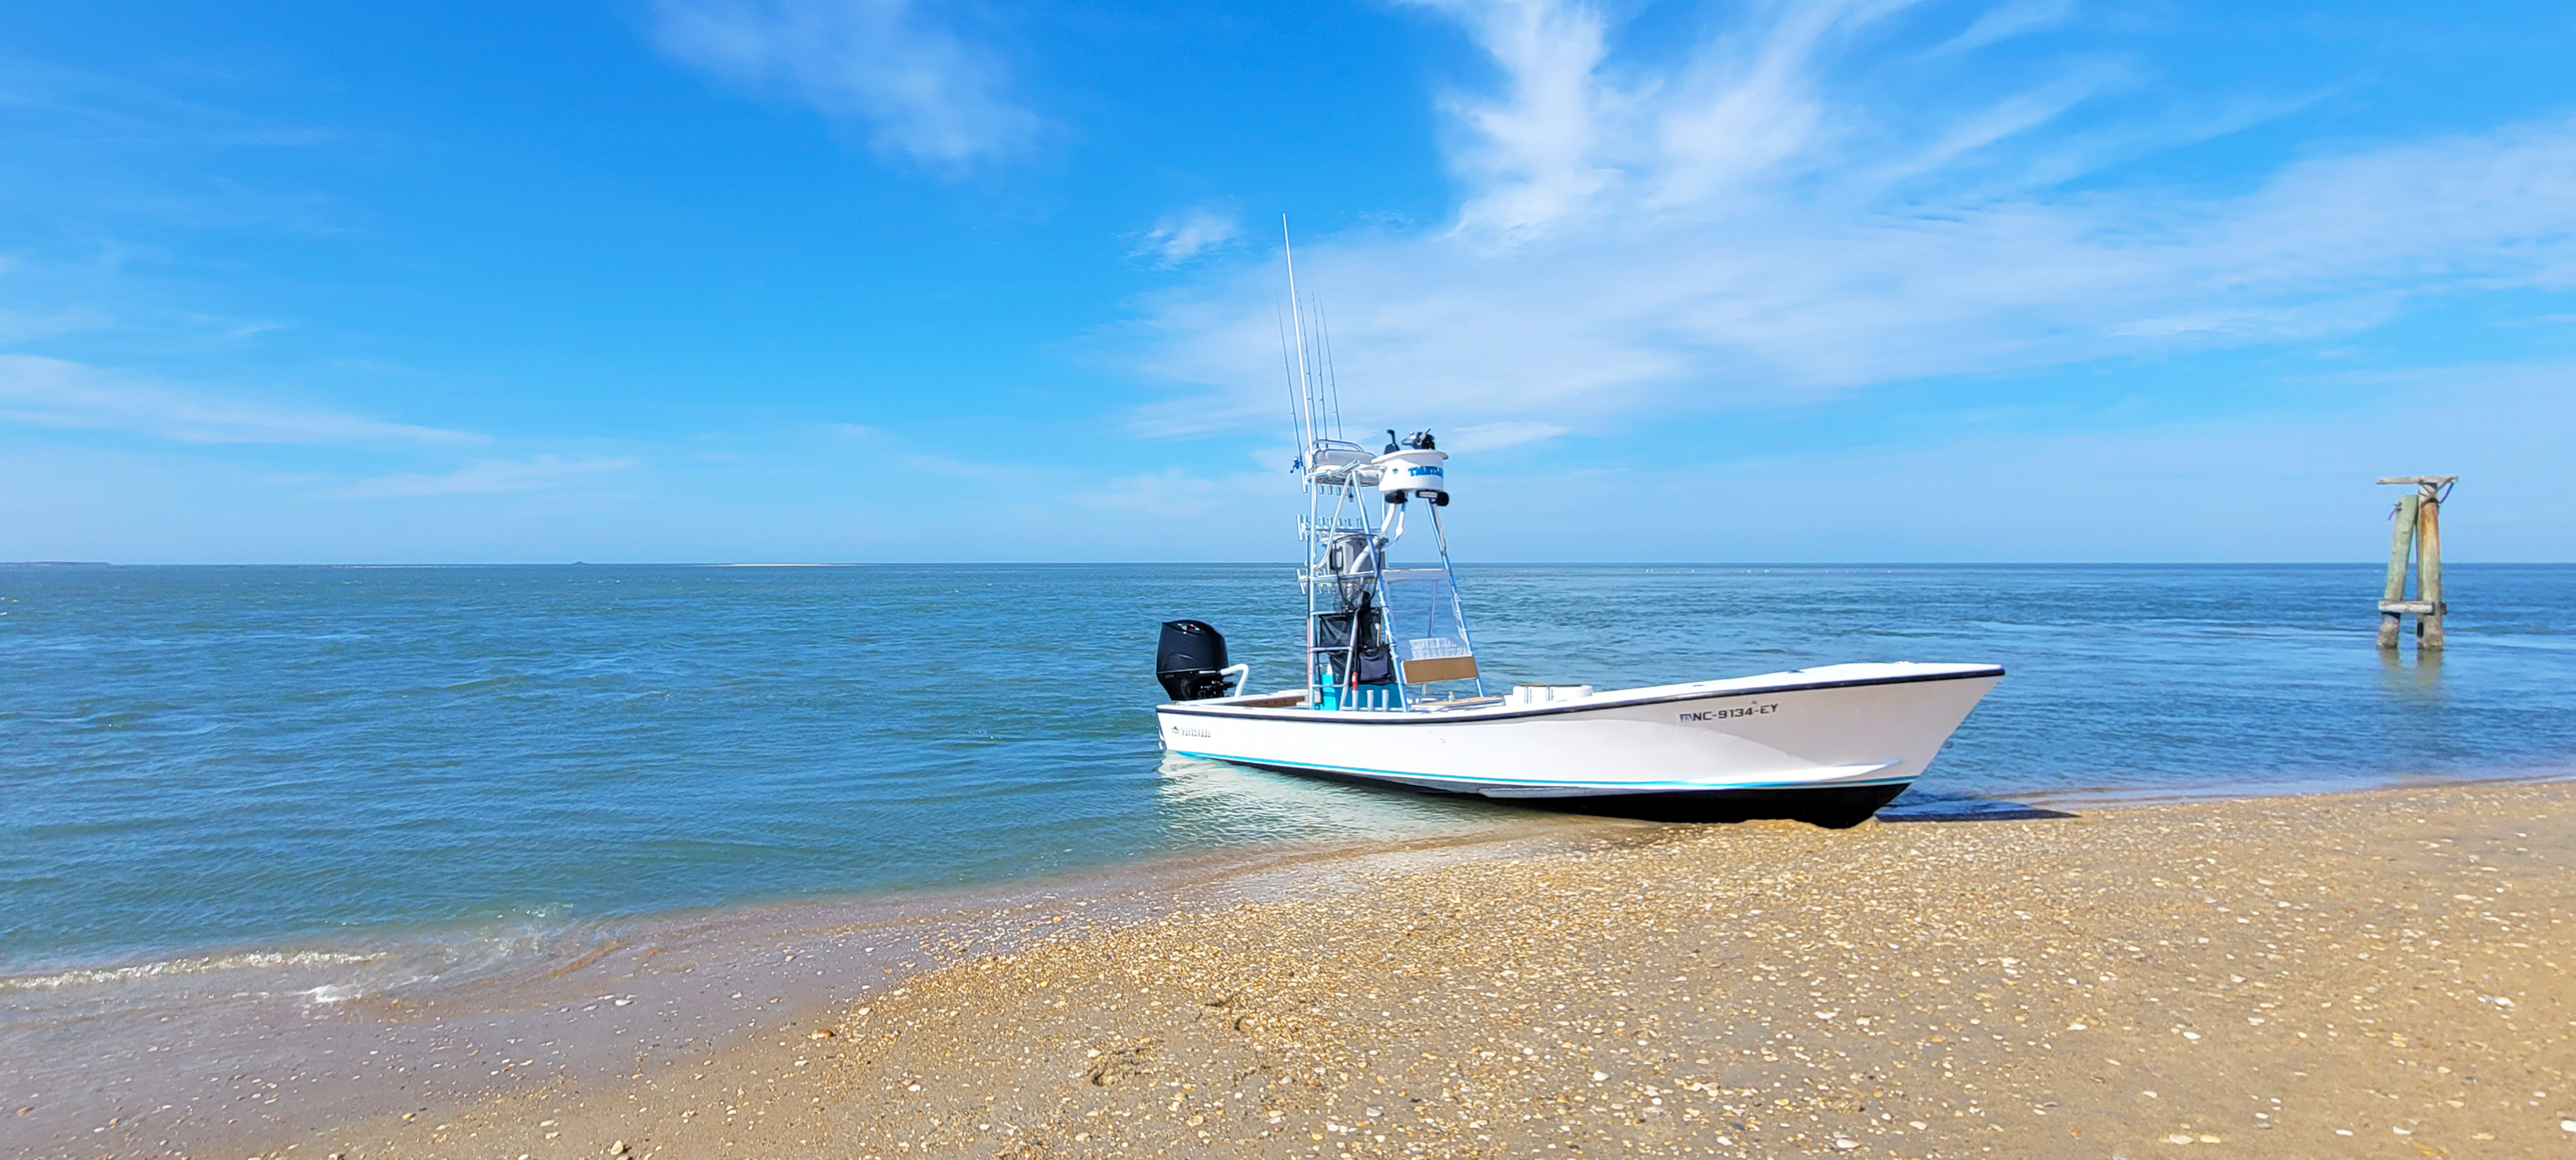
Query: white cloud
(1186, 234)
(490, 477)
(1754, 225)
(1547, 144)
(48, 392)
(922, 90)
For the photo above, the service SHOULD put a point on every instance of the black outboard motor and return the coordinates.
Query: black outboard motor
(1191, 661)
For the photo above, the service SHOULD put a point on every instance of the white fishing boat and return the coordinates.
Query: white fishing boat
(1393, 693)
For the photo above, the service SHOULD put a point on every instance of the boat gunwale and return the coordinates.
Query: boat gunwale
(1597, 702)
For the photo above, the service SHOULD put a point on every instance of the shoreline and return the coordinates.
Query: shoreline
(703, 978)
(1284, 949)
(317, 948)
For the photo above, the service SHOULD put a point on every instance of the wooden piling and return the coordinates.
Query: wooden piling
(2417, 525)
(2401, 541)
(2428, 570)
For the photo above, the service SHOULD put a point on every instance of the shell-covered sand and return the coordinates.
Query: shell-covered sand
(2373, 974)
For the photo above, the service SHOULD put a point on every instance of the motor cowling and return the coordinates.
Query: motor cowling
(1191, 662)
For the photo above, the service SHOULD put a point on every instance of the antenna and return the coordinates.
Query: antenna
(1286, 368)
(1306, 381)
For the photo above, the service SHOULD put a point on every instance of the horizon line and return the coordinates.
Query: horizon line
(68, 565)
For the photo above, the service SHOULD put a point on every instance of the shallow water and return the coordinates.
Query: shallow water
(407, 773)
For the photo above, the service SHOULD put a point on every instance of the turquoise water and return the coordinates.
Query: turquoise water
(201, 759)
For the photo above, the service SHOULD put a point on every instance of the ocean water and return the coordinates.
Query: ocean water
(216, 768)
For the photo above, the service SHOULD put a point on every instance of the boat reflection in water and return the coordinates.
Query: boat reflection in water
(1221, 802)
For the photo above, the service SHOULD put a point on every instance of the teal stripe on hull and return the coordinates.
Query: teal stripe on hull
(1640, 786)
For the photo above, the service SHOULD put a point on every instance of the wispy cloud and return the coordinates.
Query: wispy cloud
(48, 392)
(1175, 492)
(967, 469)
(20, 326)
(919, 85)
(96, 153)
(490, 477)
(1756, 223)
(109, 181)
(2007, 20)
(46, 104)
(1496, 436)
(1186, 234)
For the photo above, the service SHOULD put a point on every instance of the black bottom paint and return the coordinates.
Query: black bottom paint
(1832, 807)
(1835, 808)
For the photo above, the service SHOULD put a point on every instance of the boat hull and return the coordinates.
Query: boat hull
(1830, 744)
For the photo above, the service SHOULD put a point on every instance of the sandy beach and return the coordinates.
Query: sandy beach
(2367, 974)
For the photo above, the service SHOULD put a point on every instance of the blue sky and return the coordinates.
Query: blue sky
(880, 280)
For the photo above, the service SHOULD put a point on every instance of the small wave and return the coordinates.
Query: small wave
(167, 968)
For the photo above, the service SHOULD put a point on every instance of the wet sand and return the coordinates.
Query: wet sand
(224, 1053)
(2369, 974)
